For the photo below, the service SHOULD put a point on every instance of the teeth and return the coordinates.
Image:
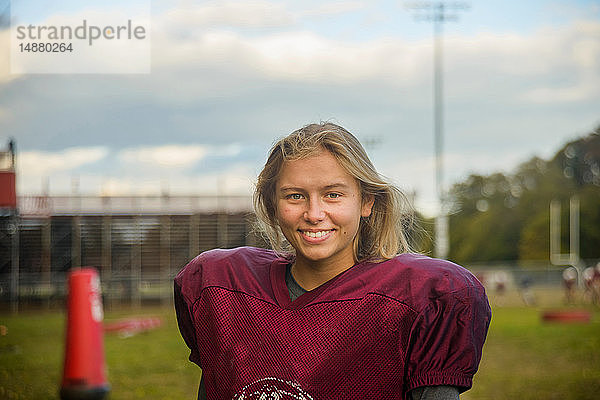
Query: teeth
(316, 234)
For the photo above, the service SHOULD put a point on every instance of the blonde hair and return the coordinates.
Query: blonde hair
(381, 235)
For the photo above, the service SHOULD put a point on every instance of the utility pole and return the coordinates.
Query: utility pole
(438, 12)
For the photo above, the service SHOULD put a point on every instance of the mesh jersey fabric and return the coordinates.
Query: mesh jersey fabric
(375, 331)
(438, 392)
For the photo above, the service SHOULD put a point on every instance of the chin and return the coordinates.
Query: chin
(315, 256)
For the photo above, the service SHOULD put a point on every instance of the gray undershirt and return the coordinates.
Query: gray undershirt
(294, 289)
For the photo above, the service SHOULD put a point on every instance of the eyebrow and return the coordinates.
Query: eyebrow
(327, 187)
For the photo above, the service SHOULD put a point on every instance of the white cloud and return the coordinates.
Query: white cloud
(569, 54)
(239, 178)
(570, 94)
(255, 14)
(305, 56)
(298, 56)
(175, 156)
(230, 150)
(581, 54)
(39, 171)
(144, 170)
(41, 163)
(337, 7)
(549, 66)
(236, 179)
(5, 75)
(125, 186)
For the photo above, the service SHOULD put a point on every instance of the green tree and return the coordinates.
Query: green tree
(506, 216)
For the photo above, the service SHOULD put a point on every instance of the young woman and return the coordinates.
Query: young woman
(340, 308)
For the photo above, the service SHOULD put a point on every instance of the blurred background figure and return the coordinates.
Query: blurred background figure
(588, 291)
(570, 284)
(591, 277)
(591, 285)
(500, 282)
(596, 284)
(526, 292)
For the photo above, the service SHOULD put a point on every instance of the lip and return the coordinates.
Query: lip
(316, 239)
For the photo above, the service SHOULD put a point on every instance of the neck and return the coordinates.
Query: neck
(310, 274)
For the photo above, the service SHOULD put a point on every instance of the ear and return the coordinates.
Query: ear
(367, 205)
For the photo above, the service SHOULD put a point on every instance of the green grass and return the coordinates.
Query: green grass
(523, 357)
(526, 358)
(150, 365)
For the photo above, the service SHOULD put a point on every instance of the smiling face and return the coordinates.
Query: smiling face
(319, 207)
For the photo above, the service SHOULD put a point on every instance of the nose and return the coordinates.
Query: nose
(315, 212)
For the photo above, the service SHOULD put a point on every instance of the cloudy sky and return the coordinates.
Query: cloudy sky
(227, 78)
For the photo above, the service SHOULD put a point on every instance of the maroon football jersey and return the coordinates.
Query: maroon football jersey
(376, 331)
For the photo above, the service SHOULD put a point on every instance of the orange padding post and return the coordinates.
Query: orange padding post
(84, 376)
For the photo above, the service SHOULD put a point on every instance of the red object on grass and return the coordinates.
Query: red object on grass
(567, 316)
(84, 375)
(131, 326)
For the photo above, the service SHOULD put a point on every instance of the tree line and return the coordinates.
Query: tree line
(507, 216)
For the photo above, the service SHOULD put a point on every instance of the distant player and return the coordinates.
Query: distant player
(333, 312)
(570, 283)
(588, 284)
(525, 289)
(591, 277)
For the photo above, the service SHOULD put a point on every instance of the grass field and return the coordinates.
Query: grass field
(523, 357)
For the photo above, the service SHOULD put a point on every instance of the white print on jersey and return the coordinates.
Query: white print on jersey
(272, 389)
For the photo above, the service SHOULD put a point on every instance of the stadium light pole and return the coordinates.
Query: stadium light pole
(438, 12)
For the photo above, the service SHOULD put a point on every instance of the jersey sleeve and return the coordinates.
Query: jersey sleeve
(185, 322)
(447, 338)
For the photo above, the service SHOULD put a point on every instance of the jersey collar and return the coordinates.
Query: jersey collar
(280, 289)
